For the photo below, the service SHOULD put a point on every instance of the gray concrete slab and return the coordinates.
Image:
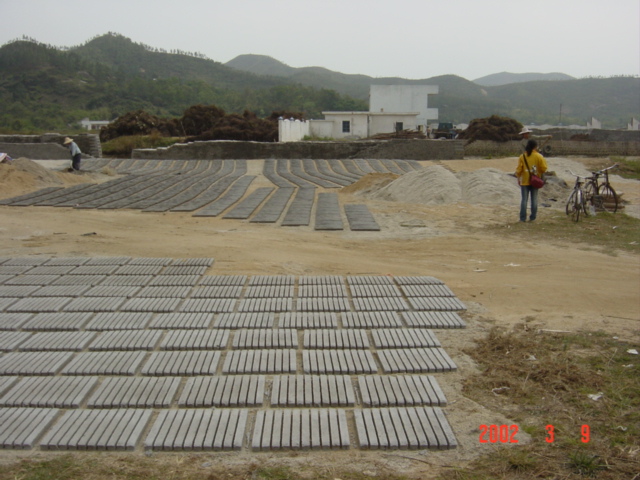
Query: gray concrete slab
(119, 321)
(182, 362)
(385, 319)
(269, 291)
(415, 360)
(260, 361)
(433, 319)
(263, 338)
(93, 304)
(198, 429)
(326, 304)
(417, 280)
(400, 390)
(119, 429)
(297, 429)
(57, 321)
(223, 391)
(125, 340)
(377, 304)
(13, 321)
(437, 303)
(60, 392)
(338, 361)
(328, 216)
(404, 338)
(427, 291)
(104, 363)
(312, 391)
(335, 339)
(195, 339)
(52, 341)
(33, 363)
(360, 218)
(160, 305)
(375, 291)
(404, 428)
(322, 291)
(61, 291)
(266, 305)
(245, 320)
(10, 341)
(22, 426)
(135, 392)
(215, 291)
(181, 320)
(39, 304)
(224, 280)
(302, 320)
(209, 305)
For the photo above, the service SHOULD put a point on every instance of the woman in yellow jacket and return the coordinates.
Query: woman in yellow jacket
(537, 166)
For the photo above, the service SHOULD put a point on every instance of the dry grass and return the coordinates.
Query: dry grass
(605, 231)
(548, 378)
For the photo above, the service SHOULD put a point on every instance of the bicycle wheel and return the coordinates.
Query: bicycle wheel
(590, 192)
(575, 204)
(608, 198)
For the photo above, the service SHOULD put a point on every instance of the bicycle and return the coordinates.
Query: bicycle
(576, 204)
(601, 196)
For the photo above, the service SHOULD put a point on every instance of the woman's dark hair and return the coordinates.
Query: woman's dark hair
(531, 144)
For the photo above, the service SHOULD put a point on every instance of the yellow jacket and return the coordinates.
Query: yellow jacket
(537, 164)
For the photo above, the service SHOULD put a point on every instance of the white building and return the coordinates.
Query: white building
(392, 108)
(93, 124)
(404, 98)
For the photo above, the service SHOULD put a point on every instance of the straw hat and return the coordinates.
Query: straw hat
(67, 141)
(524, 130)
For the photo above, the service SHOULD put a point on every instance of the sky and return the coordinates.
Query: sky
(412, 39)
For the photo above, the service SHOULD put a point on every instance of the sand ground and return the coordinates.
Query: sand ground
(504, 280)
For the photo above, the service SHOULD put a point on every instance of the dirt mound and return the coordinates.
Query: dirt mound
(435, 185)
(24, 175)
(369, 183)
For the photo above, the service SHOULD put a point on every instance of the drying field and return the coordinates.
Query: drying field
(552, 309)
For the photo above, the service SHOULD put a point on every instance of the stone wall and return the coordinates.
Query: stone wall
(49, 146)
(390, 149)
(559, 148)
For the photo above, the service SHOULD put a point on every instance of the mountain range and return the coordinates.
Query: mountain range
(44, 87)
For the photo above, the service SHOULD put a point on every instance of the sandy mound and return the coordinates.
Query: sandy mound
(369, 183)
(435, 185)
(24, 175)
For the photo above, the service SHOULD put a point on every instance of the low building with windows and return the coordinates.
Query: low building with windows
(93, 124)
(364, 124)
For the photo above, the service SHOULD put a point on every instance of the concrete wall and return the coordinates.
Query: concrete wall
(292, 131)
(559, 148)
(49, 146)
(390, 149)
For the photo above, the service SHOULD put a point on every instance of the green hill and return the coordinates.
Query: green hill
(528, 98)
(43, 88)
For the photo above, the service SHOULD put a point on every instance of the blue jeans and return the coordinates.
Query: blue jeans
(525, 191)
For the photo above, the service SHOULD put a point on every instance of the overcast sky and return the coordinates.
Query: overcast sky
(404, 38)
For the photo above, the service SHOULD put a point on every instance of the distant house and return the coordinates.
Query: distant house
(634, 125)
(392, 108)
(93, 124)
(404, 98)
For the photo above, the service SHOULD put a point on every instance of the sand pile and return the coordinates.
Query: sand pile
(24, 175)
(435, 185)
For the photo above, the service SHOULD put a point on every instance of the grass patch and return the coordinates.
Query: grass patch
(627, 167)
(549, 378)
(123, 146)
(609, 232)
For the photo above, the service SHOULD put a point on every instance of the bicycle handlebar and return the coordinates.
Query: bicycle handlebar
(600, 172)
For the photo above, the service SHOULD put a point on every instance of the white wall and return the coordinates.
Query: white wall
(404, 98)
(292, 130)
